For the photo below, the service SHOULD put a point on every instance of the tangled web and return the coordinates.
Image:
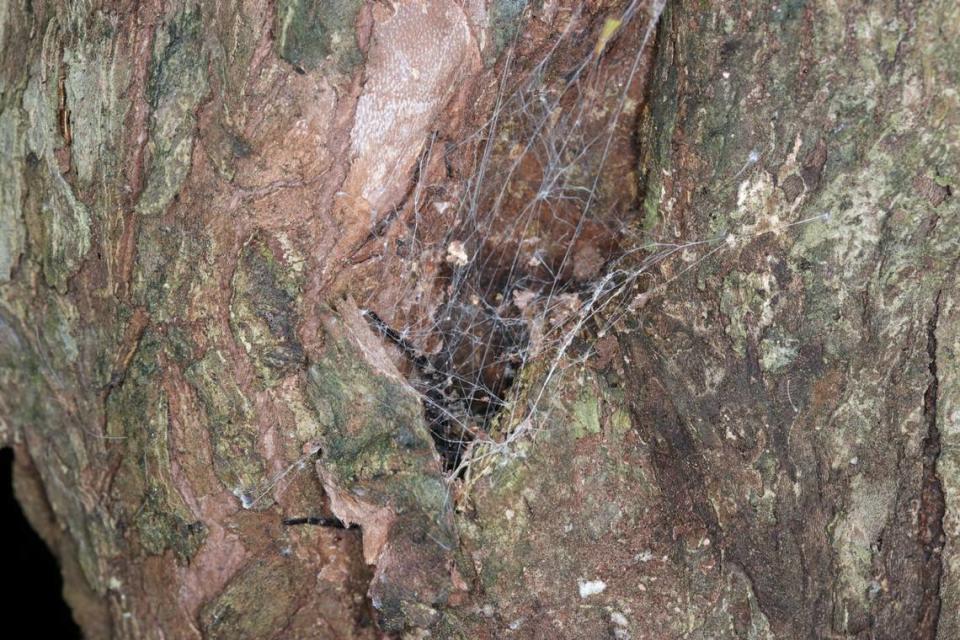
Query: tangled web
(540, 240)
(541, 248)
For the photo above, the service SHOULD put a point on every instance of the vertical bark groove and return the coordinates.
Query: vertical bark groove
(932, 505)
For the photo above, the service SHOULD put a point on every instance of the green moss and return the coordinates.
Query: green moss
(162, 525)
(506, 18)
(40, 104)
(620, 421)
(651, 201)
(656, 127)
(787, 11)
(263, 312)
(138, 411)
(178, 81)
(307, 32)
(257, 603)
(234, 436)
(11, 177)
(66, 233)
(372, 425)
(60, 224)
(376, 449)
(586, 415)
(60, 325)
(855, 533)
(778, 352)
(95, 87)
(168, 267)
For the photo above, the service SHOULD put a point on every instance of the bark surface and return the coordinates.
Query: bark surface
(197, 199)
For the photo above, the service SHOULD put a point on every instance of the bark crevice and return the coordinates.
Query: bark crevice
(932, 501)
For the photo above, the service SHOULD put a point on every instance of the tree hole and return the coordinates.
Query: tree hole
(34, 585)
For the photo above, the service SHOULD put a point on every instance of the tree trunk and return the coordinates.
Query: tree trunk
(344, 319)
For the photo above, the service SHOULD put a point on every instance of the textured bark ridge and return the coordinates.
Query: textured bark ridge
(380, 470)
(763, 444)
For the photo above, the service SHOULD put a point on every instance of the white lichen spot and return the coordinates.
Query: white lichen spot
(246, 500)
(457, 254)
(522, 298)
(591, 587)
(618, 619)
(753, 194)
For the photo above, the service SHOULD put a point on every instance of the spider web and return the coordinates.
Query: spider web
(538, 248)
(541, 250)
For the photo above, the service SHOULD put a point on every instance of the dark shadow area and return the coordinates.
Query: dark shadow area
(32, 579)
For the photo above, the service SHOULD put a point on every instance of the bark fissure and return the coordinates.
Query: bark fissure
(128, 348)
(933, 506)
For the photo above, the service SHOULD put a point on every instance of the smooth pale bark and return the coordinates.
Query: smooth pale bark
(193, 195)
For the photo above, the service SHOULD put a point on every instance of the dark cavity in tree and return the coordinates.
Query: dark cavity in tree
(32, 571)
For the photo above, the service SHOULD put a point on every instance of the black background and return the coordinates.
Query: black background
(33, 601)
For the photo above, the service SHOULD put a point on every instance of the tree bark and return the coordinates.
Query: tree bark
(214, 217)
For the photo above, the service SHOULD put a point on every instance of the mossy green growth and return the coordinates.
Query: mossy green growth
(12, 234)
(234, 437)
(657, 124)
(307, 32)
(502, 542)
(162, 525)
(743, 294)
(372, 423)
(586, 415)
(263, 312)
(377, 454)
(58, 223)
(97, 97)
(506, 18)
(178, 81)
(66, 233)
(168, 266)
(138, 411)
(258, 601)
(778, 352)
